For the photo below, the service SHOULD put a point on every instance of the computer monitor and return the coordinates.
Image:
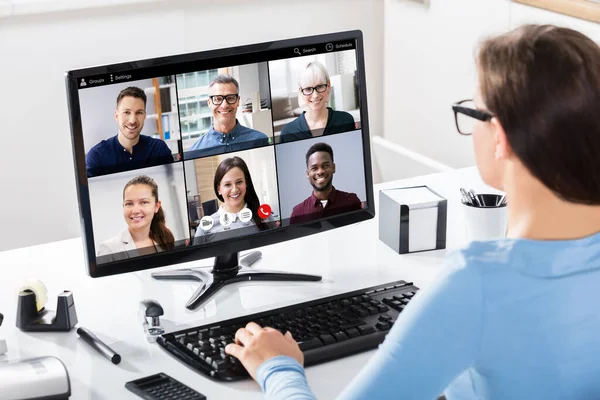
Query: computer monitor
(275, 135)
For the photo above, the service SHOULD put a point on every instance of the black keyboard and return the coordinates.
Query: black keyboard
(325, 329)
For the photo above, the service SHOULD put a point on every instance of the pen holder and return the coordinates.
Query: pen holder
(30, 319)
(487, 222)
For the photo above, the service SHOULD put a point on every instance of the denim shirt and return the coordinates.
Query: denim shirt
(215, 142)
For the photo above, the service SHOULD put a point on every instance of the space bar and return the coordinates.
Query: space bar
(310, 344)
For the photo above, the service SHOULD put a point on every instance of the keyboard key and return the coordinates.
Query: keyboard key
(366, 329)
(362, 313)
(220, 365)
(352, 333)
(383, 326)
(327, 339)
(372, 310)
(382, 308)
(310, 344)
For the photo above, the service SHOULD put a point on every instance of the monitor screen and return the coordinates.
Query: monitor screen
(197, 155)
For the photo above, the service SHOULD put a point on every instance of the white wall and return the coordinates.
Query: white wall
(429, 64)
(426, 62)
(39, 202)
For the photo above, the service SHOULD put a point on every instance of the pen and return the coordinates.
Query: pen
(475, 201)
(502, 200)
(466, 198)
(98, 345)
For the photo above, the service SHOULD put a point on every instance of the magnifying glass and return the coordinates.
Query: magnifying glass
(297, 51)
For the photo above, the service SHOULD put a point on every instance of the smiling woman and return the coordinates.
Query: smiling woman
(234, 187)
(314, 92)
(146, 231)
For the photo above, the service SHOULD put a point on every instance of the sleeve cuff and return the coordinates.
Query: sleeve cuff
(277, 364)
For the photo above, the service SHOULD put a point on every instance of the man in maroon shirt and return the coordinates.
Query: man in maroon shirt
(325, 199)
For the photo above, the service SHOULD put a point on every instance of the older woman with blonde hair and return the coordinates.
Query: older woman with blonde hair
(314, 91)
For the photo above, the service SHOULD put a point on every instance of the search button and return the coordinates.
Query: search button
(297, 51)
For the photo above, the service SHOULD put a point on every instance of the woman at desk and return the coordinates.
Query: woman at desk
(146, 230)
(314, 90)
(515, 318)
(234, 188)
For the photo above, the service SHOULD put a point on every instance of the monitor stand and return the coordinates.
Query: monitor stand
(227, 270)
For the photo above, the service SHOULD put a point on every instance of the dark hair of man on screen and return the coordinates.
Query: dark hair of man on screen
(132, 91)
(159, 232)
(251, 197)
(319, 147)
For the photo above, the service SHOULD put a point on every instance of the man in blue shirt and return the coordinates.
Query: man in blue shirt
(226, 134)
(128, 149)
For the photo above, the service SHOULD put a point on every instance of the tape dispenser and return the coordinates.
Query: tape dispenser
(32, 314)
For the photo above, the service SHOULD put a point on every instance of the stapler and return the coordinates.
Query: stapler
(151, 311)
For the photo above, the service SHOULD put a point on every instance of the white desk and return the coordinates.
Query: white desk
(348, 258)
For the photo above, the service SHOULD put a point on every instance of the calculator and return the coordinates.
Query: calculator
(162, 387)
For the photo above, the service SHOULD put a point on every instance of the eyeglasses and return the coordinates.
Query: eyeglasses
(466, 114)
(217, 99)
(307, 91)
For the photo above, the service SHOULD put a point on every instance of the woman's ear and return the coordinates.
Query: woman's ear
(502, 149)
(157, 206)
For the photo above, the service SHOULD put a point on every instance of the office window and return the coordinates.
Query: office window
(192, 88)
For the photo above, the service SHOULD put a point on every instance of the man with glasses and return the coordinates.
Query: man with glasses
(314, 90)
(226, 134)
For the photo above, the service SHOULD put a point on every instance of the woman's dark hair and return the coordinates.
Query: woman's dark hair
(251, 197)
(159, 232)
(543, 84)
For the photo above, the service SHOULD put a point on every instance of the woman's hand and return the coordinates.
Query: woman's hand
(255, 345)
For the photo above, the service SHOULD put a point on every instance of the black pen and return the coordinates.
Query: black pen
(97, 344)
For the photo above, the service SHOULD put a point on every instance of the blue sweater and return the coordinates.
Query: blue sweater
(507, 319)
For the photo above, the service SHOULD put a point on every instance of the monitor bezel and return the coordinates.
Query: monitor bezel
(232, 245)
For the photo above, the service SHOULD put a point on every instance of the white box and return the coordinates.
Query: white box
(412, 219)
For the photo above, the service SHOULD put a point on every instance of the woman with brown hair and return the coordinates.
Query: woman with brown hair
(515, 318)
(146, 230)
(239, 209)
